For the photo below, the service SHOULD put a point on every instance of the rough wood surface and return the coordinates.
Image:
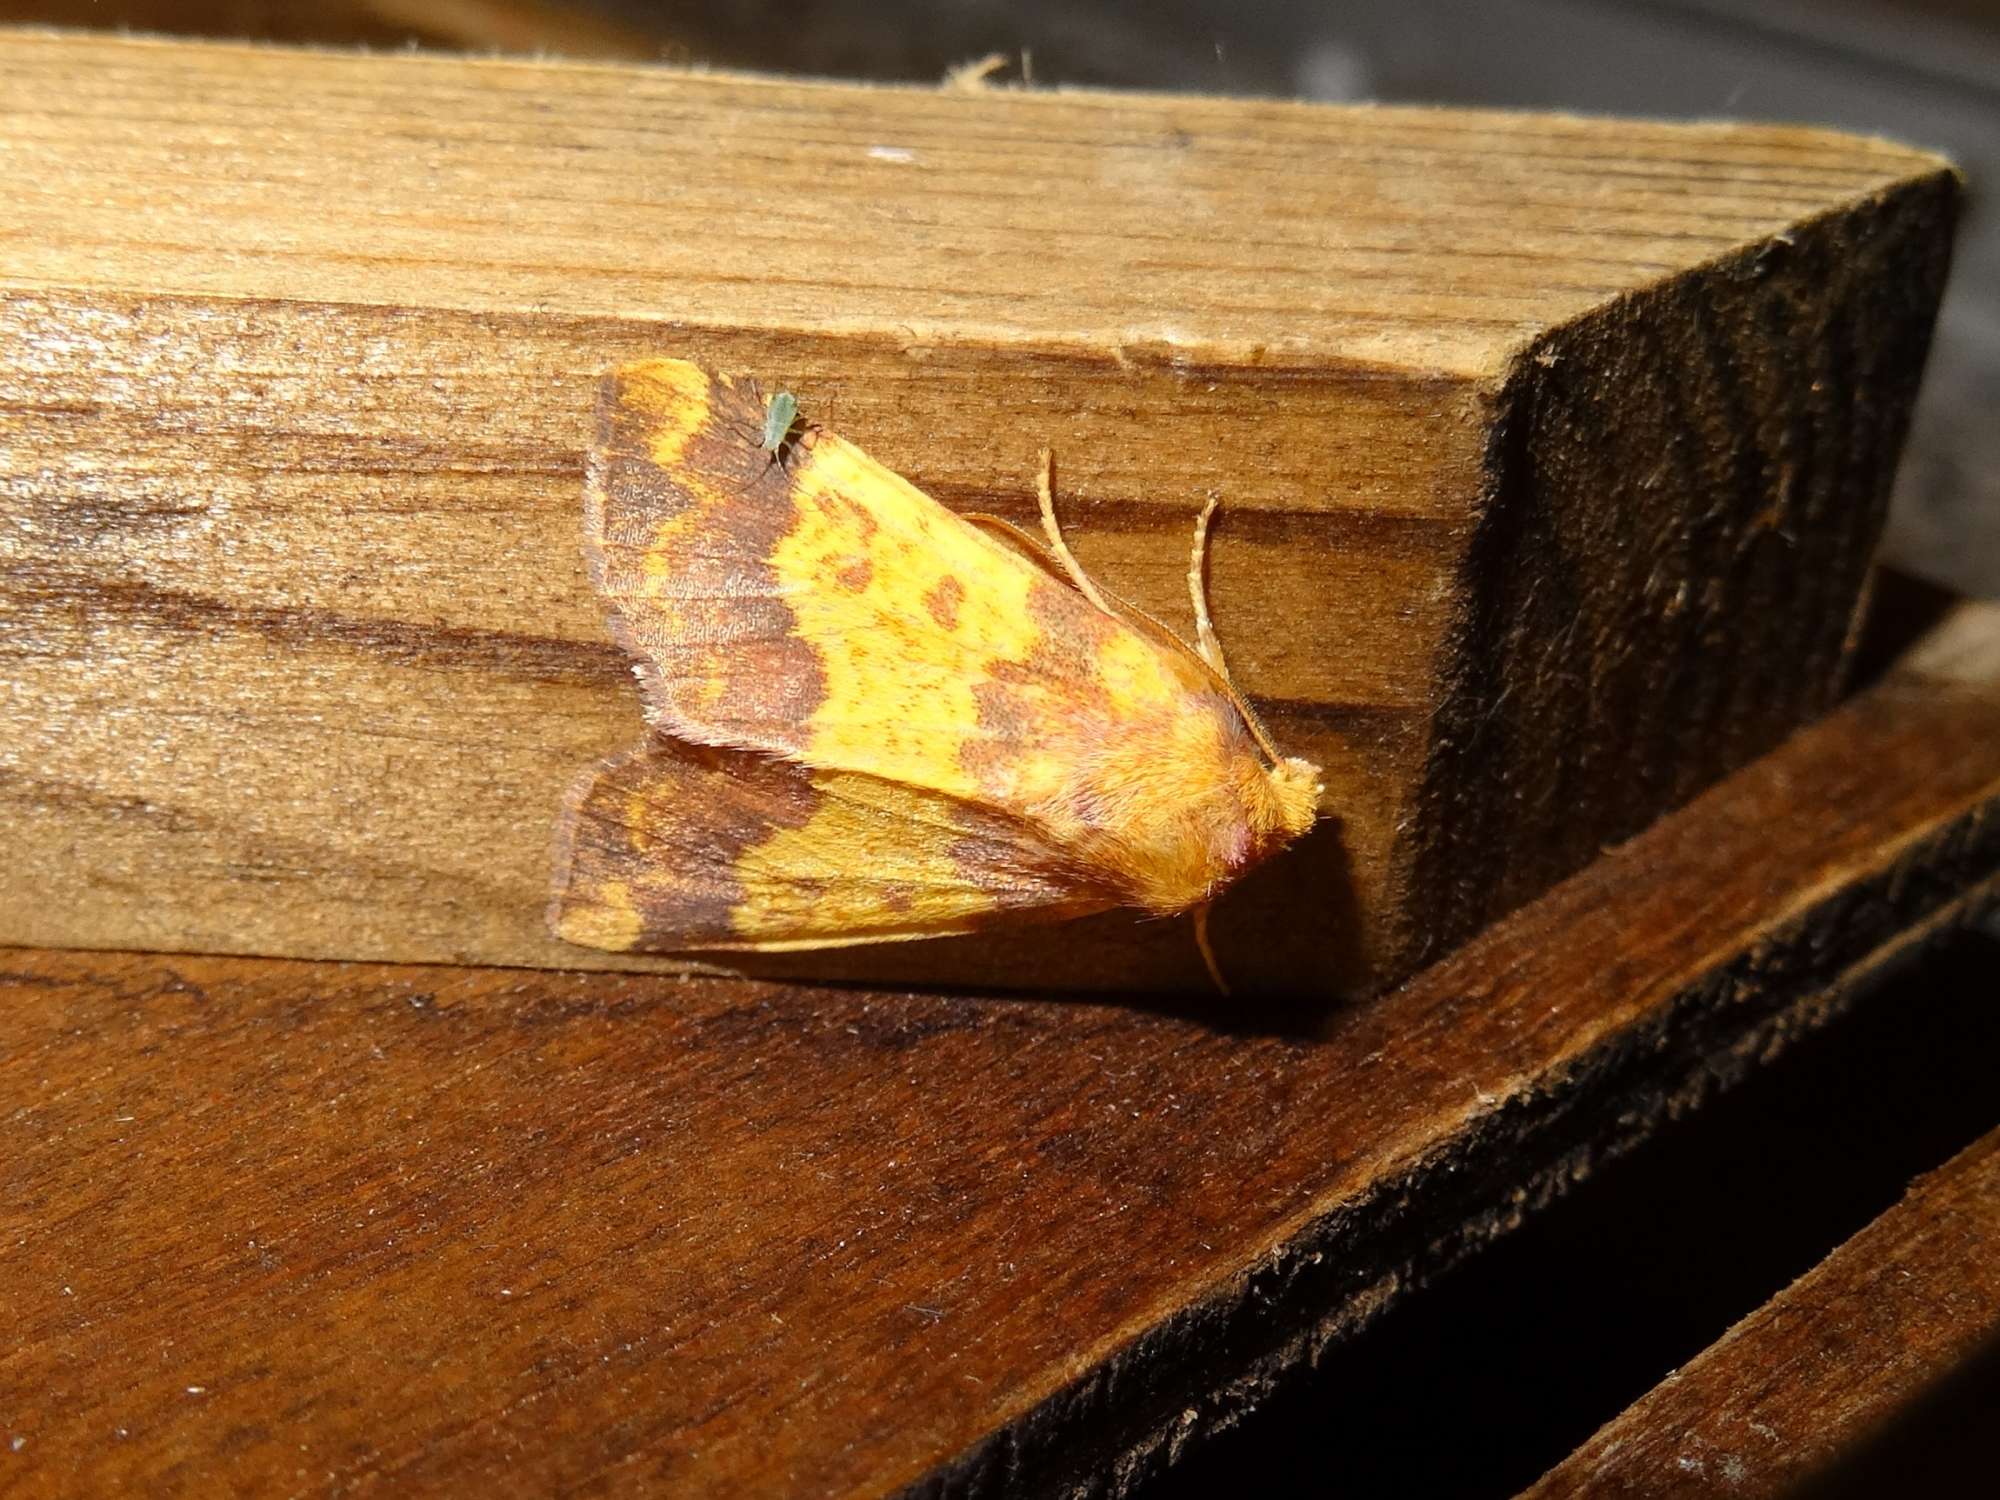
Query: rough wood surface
(1820, 1369)
(276, 1225)
(1552, 454)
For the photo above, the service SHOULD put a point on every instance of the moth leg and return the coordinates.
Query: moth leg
(1200, 915)
(1204, 627)
(745, 427)
(1045, 493)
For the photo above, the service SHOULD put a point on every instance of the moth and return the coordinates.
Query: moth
(873, 719)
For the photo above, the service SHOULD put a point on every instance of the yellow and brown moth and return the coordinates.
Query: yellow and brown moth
(875, 719)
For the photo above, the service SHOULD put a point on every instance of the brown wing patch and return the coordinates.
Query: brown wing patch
(682, 512)
(638, 857)
(1050, 701)
(942, 601)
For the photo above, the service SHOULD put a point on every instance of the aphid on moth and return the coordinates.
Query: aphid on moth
(875, 719)
(779, 418)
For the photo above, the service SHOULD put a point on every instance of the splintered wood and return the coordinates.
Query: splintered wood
(1550, 456)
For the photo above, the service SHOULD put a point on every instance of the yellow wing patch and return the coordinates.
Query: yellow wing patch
(879, 588)
(941, 733)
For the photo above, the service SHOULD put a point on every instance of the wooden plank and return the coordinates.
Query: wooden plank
(282, 1225)
(1798, 1387)
(299, 653)
(544, 27)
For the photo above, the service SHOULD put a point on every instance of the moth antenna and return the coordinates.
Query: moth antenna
(1044, 491)
(1204, 627)
(1207, 949)
(1132, 615)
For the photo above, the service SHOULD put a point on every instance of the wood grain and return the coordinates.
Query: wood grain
(1552, 452)
(543, 27)
(1804, 1382)
(326, 1227)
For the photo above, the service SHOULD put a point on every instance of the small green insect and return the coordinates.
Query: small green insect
(779, 419)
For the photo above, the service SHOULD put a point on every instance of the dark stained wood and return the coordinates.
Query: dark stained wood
(297, 1227)
(1615, 622)
(1798, 1387)
(1552, 453)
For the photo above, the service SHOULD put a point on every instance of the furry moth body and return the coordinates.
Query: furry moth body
(874, 719)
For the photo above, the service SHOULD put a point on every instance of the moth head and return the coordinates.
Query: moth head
(1295, 795)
